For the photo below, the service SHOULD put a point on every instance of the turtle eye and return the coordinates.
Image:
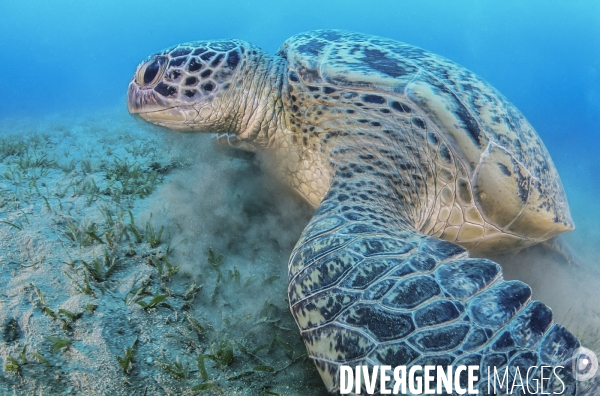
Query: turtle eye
(151, 71)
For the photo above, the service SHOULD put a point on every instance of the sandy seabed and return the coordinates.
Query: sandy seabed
(135, 261)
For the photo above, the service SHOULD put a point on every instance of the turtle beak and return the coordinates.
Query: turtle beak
(141, 101)
(166, 116)
(153, 108)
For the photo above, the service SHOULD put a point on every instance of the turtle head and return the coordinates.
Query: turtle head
(196, 86)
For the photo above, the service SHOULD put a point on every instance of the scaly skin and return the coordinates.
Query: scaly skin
(396, 147)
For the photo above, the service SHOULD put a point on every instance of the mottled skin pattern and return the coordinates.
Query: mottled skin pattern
(402, 152)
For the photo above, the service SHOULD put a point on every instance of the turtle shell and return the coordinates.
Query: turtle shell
(511, 176)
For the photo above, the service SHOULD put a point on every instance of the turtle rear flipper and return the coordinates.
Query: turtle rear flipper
(367, 289)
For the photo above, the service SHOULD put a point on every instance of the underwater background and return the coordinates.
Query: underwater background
(64, 126)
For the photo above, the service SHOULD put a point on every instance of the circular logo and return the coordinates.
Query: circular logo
(585, 364)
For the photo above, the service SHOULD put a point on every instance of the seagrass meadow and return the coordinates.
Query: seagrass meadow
(106, 287)
(135, 260)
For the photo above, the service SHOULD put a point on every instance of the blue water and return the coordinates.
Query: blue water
(544, 56)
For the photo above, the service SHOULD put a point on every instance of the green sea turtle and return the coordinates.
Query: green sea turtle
(411, 162)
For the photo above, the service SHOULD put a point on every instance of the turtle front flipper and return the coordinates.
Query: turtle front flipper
(366, 289)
